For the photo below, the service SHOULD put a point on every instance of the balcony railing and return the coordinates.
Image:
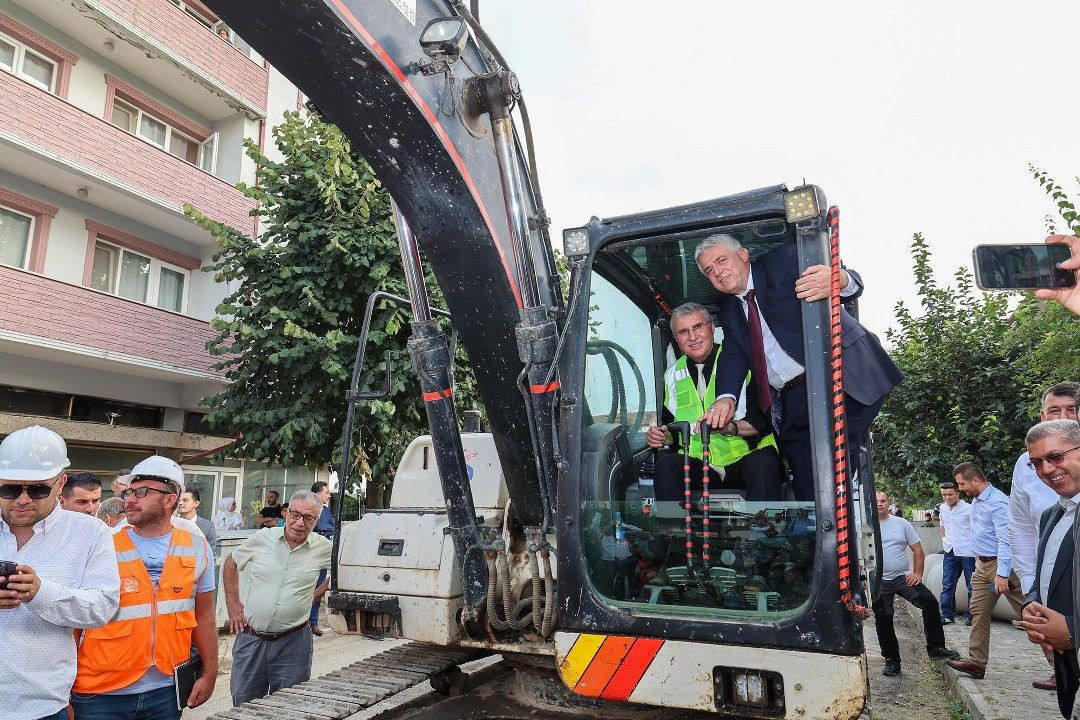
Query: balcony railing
(48, 127)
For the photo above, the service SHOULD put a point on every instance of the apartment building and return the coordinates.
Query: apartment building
(113, 115)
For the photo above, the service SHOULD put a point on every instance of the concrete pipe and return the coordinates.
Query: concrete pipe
(932, 579)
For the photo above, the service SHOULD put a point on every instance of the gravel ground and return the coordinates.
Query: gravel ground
(919, 692)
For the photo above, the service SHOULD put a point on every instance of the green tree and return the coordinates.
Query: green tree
(287, 333)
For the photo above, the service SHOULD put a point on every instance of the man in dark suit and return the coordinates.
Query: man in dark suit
(1048, 613)
(762, 321)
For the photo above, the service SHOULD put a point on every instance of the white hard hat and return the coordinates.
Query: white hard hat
(159, 467)
(33, 454)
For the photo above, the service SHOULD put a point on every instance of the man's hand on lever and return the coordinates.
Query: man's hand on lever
(815, 283)
(655, 436)
(720, 414)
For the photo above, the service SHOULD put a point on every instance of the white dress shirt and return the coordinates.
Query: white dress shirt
(1064, 525)
(1028, 500)
(957, 524)
(73, 555)
(782, 367)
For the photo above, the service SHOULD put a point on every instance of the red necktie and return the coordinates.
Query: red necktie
(758, 367)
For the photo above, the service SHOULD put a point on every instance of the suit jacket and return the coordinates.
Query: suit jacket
(1059, 597)
(869, 372)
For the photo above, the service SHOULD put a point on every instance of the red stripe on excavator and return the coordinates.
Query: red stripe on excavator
(632, 669)
(389, 64)
(541, 389)
(438, 395)
(604, 664)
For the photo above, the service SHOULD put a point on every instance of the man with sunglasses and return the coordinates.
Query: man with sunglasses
(166, 601)
(281, 565)
(64, 577)
(1048, 614)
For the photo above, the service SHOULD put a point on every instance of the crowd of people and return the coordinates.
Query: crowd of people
(1017, 546)
(107, 608)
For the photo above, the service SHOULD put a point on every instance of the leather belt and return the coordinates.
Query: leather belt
(795, 381)
(986, 558)
(271, 637)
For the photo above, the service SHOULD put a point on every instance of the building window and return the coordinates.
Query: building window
(119, 271)
(31, 66)
(16, 232)
(83, 408)
(194, 12)
(158, 132)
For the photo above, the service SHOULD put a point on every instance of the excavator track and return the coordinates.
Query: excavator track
(353, 688)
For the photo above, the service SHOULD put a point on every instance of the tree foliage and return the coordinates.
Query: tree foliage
(288, 331)
(975, 366)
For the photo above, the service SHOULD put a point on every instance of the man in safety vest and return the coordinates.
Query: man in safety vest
(743, 453)
(166, 599)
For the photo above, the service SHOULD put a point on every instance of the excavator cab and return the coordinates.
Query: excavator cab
(718, 576)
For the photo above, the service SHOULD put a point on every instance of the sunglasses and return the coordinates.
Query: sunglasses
(39, 491)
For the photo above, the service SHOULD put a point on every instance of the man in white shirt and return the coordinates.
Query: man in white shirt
(955, 529)
(281, 565)
(1048, 613)
(65, 577)
(1029, 496)
(898, 577)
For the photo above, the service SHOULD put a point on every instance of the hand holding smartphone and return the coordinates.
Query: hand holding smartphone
(1023, 266)
(7, 568)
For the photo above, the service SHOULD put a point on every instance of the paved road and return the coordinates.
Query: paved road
(919, 692)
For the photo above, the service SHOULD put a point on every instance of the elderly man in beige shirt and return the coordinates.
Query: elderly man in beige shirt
(280, 565)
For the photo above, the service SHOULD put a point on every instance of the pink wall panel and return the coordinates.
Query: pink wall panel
(48, 308)
(43, 119)
(171, 27)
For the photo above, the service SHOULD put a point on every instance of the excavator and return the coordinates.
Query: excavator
(540, 542)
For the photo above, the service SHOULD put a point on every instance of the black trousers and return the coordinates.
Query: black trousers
(919, 596)
(760, 473)
(794, 435)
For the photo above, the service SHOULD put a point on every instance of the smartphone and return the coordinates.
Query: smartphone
(6, 568)
(1022, 267)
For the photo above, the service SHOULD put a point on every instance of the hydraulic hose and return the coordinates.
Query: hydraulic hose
(550, 613)
(537, 590)
(492, 612)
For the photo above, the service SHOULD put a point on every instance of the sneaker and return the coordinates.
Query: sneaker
(946, 621)
(943, 654)
(892, 667)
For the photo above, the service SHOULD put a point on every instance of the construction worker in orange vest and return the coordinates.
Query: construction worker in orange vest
(126, 668)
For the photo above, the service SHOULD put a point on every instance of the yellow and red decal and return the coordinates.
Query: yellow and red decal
(607, 666)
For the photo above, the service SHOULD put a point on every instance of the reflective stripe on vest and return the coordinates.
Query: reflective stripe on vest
(153, 627)
(688, 406)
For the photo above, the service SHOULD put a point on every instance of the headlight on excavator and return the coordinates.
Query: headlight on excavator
(444, 37)
(575, 242)
(800, 204)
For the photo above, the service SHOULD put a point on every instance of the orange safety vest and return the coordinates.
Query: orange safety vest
(152, 627)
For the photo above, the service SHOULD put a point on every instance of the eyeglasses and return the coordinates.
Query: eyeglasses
(308, 519)
(141, 492)
(697, 329)
(38, 491)
(1052, 458)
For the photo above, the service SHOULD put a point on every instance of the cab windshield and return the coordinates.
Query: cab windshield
(751, 553)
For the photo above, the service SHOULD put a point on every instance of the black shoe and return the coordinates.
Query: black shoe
(892, 667)
(946, 621)
(943, 654)
(967, 621)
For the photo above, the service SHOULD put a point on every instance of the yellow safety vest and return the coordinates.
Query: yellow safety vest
(723, 449)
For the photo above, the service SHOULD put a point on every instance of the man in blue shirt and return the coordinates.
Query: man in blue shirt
(325, 527)
(994, 574)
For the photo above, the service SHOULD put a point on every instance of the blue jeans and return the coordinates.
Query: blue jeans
(159, 704)
(315, 606)
(951, 567)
